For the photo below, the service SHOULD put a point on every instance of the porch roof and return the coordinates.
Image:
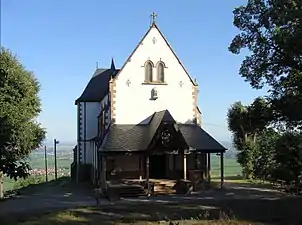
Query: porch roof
(136, 138)
(198, 139)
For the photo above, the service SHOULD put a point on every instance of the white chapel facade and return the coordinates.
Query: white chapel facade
(124, 110)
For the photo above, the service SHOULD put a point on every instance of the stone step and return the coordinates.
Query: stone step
(127, 190)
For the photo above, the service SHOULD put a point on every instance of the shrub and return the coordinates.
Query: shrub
(21, 183)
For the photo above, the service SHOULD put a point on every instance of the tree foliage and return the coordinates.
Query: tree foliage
(264, 162)
(20, 134)
(272, 32)
(289, 158)
(246, 123)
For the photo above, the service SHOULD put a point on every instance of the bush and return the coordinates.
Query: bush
(21, 183)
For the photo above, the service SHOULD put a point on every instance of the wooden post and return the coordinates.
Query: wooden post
(185, 166)
(104, 172)
(140, 167)
(209, 167)
(147, 174)
(204, 165)
(221, 170)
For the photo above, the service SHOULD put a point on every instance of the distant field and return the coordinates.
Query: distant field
(232, 168)
(37, 162)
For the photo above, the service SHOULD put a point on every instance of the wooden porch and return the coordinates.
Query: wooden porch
(136, 183)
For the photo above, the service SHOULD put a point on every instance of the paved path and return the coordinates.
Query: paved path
(54, 198)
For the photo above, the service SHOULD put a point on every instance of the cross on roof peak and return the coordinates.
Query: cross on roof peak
(153, 18)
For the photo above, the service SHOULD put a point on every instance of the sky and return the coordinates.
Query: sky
(61, 41)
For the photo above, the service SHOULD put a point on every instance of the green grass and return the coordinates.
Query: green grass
(38, 161)
(231, 167)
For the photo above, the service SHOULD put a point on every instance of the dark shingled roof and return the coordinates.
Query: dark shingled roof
(138, 137)
(135, 137)
(197, 138)
(127, 138)
(98, 86)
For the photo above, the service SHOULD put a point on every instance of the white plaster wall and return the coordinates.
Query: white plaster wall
(81, 143)
(89, 122)
(91, 128)
(92, 112)
(132, 102)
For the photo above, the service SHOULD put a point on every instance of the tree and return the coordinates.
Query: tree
(246, 123)
(20, 134)
(264, 163)
(272, 32)
(288, 159)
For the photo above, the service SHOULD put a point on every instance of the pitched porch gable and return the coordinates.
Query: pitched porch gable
(157, 119)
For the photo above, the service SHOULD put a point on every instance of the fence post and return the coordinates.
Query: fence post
(46, 169)
(55, 153)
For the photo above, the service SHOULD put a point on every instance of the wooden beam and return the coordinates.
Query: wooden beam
(221, 170)
(185, 166)
(140, 166)
(147, 174)
(104, 171)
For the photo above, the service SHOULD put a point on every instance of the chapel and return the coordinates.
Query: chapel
(142, 121)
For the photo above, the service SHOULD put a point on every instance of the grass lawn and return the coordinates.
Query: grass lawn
(152, 214)
(199, 211)
(237, 212)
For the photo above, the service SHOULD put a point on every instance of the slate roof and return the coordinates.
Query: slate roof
(127, 138)
(98, 86)
(198, 139)
(138, 137)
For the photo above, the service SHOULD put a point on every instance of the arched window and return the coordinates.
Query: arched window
(160, 72)
(148, 71)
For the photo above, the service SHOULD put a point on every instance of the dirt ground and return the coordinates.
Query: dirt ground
(241, 201)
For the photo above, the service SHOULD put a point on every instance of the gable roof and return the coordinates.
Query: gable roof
(157, 119)
(155, 26)
(98, 86)
(138, 137)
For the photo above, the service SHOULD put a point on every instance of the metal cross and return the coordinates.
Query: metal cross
(153, 17)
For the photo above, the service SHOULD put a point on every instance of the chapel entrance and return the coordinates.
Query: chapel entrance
(158, 166)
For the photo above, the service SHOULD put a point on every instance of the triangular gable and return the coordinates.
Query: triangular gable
(155, 26)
